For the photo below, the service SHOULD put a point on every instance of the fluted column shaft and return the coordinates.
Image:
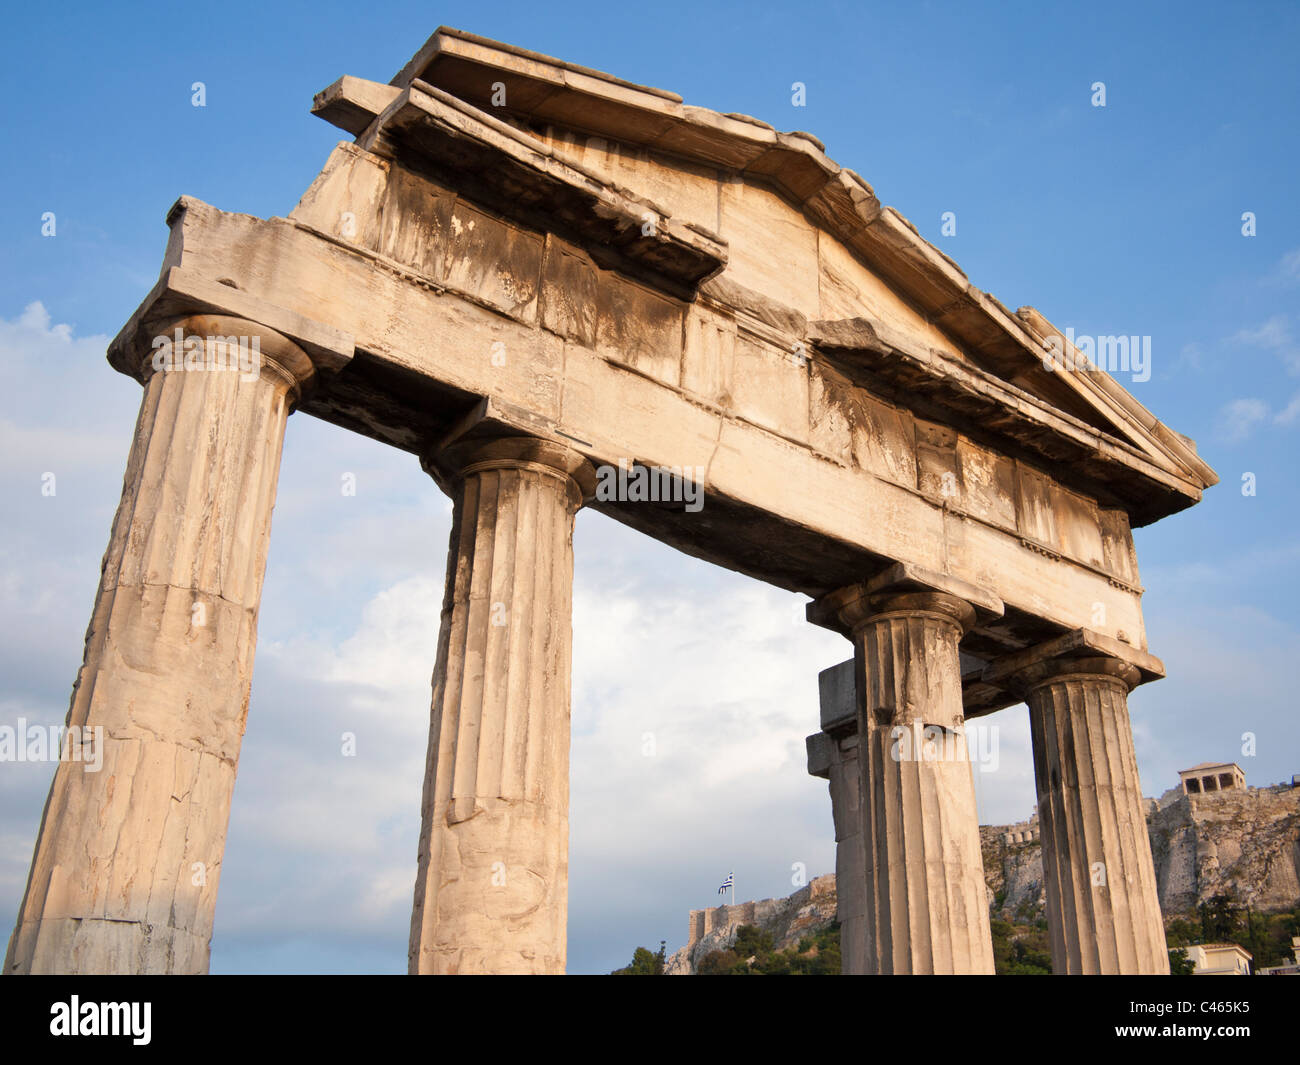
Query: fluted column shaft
(127, 860)
(491, 891)
(845, 775)
(1103, 909)
(927, 906)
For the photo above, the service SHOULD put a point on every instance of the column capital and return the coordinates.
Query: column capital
(449, 463)
(1081, 652)
(905, 589)
(229, 344)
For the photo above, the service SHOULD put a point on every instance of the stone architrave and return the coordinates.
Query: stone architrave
(1103, 907)
(927, 909)
(127, 860)
(491, 892)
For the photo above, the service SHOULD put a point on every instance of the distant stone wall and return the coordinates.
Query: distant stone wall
(1020, 832)
(807, 911)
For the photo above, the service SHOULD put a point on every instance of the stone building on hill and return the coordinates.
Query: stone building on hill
(1238, 841)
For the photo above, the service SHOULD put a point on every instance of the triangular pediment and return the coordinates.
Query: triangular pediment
(509, 118)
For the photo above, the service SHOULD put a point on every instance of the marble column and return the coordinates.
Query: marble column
(1103, 908)
(927, 907)
(833, 755)
(491, 892)
(128, 857)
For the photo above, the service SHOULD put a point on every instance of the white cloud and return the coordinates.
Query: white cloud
(1238, 418)
(1290, 265)
(1290, 412)
(1273, 335)
(1189, 357)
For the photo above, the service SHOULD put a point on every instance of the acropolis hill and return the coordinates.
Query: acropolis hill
(1242, 843)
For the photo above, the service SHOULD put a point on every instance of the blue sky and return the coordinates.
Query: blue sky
(1117, 220)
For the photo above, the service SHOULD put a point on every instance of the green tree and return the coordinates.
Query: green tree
(1179, 963)
(816, 955)
(721, 963)
(1218, 919)
(1020, 950)
(752, 941)
(1182, 932)
(644, 963)
(826, 962)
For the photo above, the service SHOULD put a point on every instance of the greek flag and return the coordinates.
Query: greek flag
(729, 882)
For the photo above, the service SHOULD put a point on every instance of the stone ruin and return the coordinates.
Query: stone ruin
(523, 273)
(1208, 778)
(1023, 832)
(788, 920)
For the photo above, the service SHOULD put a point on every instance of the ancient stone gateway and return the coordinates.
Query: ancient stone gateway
(526, 274)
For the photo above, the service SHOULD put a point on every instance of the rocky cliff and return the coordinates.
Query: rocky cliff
(1244, 844)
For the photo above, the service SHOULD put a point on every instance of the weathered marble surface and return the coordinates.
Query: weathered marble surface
(609, 275)
(128, 859)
